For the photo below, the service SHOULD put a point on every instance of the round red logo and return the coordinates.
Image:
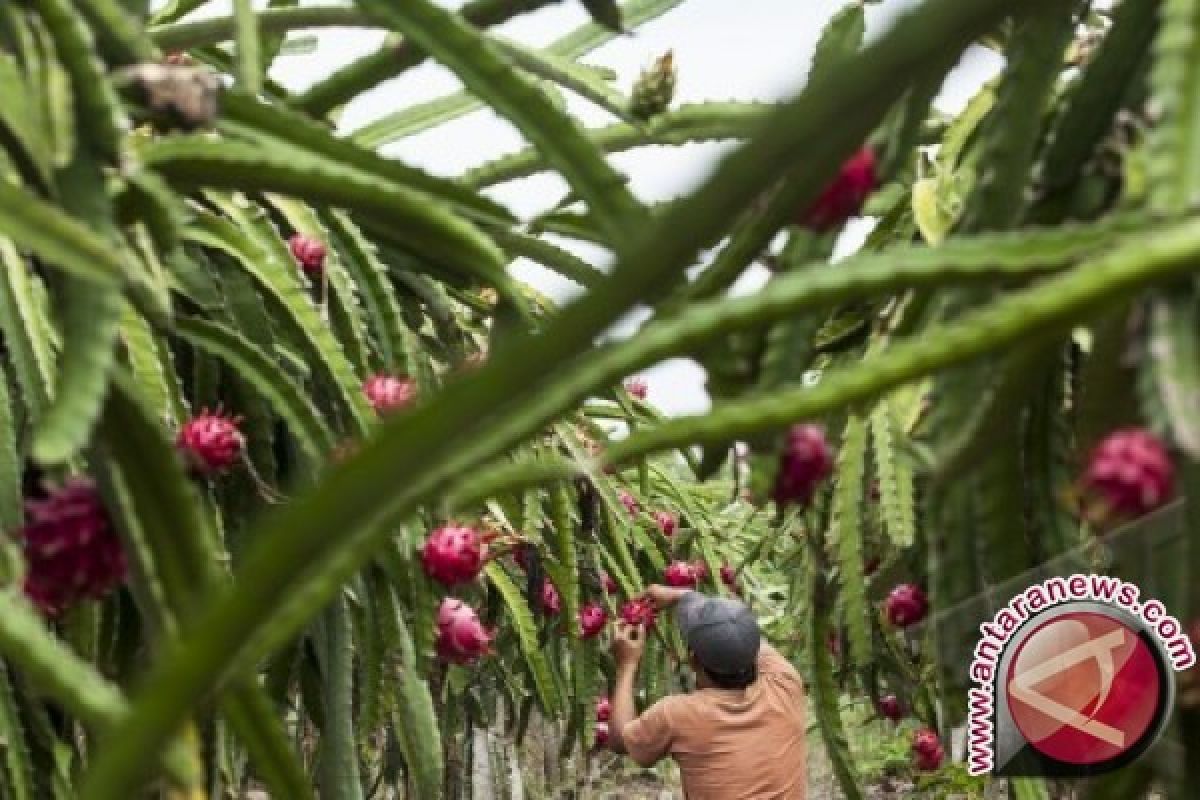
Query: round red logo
(1084, 688)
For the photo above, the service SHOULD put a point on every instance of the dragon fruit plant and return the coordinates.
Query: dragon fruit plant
(266, 595)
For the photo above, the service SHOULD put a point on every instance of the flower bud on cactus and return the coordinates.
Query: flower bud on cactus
(551, 602)
(803, 465)
(309, 254)
(636, 387)
(601, 734)
(680, 573)
(71, 550)
(666, 522)
(603, 709)
(453, 554)
(630, 502)
(1129, 473)
(210, 443)
(638, 611)
(927, 750)
(906, 605)
(461, 637)
(844, 197)
(891, 707)
(654, 89)
(592, 619)
(386, 393)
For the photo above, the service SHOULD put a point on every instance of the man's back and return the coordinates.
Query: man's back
(732, 743)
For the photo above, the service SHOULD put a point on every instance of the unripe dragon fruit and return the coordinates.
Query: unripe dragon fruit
(592, 619)
(1129, 473)
(639, 611)
(679, 573)
(927, 750)
(309, 253)
(637, 387)
(608, 583)
(461, 637)
(210, 443)
(666, 523)
(630, 502)
(71, 550)
(453, 554)
(906, 605)
(601, 734)
(804, 464)
(603, 709)
(551, 602)
(387, 393)
(891, 707)
(843, 198)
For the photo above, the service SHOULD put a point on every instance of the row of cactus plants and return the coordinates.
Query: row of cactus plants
(304, 486)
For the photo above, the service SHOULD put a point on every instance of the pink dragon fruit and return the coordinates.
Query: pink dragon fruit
(804, 464)
(603, 709)
(453, 554)
(551, 602)
(680, 573)
(927, 750)
(891, 707)
(387, 393)
(843, 198)
(906, 605)
(461, 637)
(309, 254)
(666, 523)
(1130, 473)
(71, 550)
(601, 734)
(210, 443)
(728, 576)
(592, 619)
(638, 611)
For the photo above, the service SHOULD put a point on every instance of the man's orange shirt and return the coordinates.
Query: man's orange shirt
(743, 744)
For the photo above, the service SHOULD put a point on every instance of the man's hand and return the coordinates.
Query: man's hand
(664, 596)
(628, 643)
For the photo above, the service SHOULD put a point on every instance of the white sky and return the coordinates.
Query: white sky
(745, 50)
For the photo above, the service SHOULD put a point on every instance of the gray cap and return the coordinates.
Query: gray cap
(723, 633)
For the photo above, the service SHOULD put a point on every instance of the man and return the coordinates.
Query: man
(740, 735)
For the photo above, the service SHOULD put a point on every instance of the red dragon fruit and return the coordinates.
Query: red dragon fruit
(211, 443)
(592, 619)
(891, 707)
(309, 254)
(666, 523)
(804, 464)
(637, 387)
(461, 637)
(729, 576)
(550, 601)
(638, 611)
(1129, 473)
(601, 734)
(927, 750)
(453, 554)
(71, 550)
(680, 573)
(906, 605)
(630, 502)
(843, 198)
(387, 393)
(603, 709)
(608, 583)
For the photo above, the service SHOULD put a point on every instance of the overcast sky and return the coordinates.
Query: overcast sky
(745, 50)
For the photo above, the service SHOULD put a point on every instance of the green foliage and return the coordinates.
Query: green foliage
(276, 627)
